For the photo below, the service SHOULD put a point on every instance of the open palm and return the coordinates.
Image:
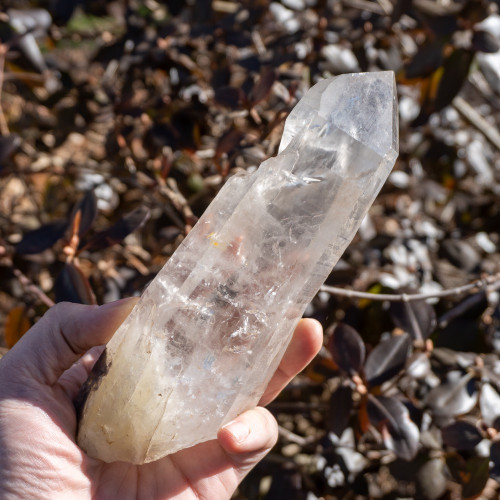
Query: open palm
(39, 458)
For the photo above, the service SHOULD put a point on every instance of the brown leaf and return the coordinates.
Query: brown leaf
(387, 359)
(340, 407)
(120, 230)
(230, 97)
(40, 239)
(228, 142)
(462, 435)
(485, 42)
(417, 318)
(262, 88)
(16, 325)
(392, 418)
(87, 207)
(347, 348)
(72, 285)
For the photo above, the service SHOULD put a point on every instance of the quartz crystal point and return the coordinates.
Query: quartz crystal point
(208, 333)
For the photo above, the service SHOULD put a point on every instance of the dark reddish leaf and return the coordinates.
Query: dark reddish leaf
(340, 409)
(425, 61)
(263, 86)
(471, 474)
(347, 348)
(418, 318)
(461, 254)
(454, 359)
(228, 142)
(400, 7)
(474, 12)
(71, 285)
(17, 324)
(160, 135)
(485, 42)
(120, 230)
(458, 395)
(186, 126)
(495, 459)
(392, 418)
(461, 435)
(88, 212)
(445, 83)
(387, 359)
(230, 97)
(42, 238)
(62, 10)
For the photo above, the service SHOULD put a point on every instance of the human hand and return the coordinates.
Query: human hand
(39, 459)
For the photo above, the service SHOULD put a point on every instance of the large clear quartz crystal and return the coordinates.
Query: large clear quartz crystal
(208, 333)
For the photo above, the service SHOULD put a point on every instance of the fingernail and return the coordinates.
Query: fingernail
(127, 302)
(239, 430)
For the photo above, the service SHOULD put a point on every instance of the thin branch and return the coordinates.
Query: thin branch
(480, 84)
(294, 438)
(4, 128)
(295, 406)
(32, 288)
(478, 121)
(367, 5)
(408, 297)
(172, 192)
(466, 304)
(24, 76)
(386, 6)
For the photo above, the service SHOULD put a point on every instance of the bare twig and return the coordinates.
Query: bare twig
(294, 438)
(32, 288)
(295, 406)
(225, 7)
(470, 114)
(408, 297)
(376, 8)
(24, 76)
(466, 304)
(172, 192)
(386, 6)
(4, 129)
(479, 82)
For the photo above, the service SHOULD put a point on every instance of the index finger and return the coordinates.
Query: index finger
(305, 344)
(61, 337)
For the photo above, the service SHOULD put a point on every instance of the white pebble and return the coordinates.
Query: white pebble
(483, 240)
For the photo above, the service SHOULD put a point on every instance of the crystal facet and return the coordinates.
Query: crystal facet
(208, 333)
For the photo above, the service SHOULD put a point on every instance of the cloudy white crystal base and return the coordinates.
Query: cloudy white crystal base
(208, 333)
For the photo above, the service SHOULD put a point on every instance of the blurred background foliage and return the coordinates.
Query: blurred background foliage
(121, 120)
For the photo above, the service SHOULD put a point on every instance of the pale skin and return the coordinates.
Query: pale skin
(39, 459)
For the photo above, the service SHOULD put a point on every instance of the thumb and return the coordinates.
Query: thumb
(64, 333)
(248, 438)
